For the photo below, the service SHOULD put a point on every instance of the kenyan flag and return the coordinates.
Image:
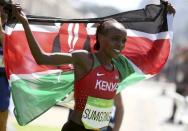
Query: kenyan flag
(36, 88)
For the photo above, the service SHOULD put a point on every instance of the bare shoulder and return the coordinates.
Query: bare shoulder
(82, 57)
(80, 54)
(82, 63)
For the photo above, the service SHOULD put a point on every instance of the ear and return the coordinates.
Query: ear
(101, 38)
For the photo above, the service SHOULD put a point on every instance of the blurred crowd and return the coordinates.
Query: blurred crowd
(176, 71)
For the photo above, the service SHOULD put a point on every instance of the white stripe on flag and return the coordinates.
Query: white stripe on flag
(92, 31)
(170, 27)
(153, 37)
(39, 28)
(14, 77)
(75, 39)
(70, 37)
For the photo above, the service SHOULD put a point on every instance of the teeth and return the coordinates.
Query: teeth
(118, 51)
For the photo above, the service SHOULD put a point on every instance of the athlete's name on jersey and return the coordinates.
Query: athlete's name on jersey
(106, 86)
(96, 115)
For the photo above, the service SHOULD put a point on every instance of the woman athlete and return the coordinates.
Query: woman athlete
(96, 77)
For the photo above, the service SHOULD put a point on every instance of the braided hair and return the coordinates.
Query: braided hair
(102, 29)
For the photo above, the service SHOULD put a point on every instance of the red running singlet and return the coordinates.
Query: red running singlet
(99, 83)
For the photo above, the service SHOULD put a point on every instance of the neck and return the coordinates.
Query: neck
(103, 58)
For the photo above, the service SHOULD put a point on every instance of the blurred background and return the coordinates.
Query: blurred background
(148, 105)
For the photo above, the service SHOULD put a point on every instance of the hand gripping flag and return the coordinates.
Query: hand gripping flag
(36, 88)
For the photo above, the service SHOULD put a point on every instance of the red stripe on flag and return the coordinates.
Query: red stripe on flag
(82, 35)
(149, 56)
(18, 55)
(64, 35)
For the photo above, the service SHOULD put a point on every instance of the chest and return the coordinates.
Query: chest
(100, 82)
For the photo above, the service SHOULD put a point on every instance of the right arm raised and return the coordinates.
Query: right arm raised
(40, 56)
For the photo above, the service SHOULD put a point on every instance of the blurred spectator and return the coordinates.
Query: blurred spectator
(181, 80)
(4, 86)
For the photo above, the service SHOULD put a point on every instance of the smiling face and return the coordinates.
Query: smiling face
(113, 38)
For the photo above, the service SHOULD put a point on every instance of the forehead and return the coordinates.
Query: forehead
(114, 27)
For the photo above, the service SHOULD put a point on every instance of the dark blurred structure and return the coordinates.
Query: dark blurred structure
(176, 71)
(181, 80)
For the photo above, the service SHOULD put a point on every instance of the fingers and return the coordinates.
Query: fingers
(18, 13)
(16, 8)
(12, 1)
(170, 9)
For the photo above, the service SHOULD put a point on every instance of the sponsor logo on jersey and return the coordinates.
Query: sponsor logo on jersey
(100, 74)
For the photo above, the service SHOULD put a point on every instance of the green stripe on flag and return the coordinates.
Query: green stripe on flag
(133, 78)
(32, 97)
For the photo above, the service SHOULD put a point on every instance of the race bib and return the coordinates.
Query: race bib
(97, 113)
